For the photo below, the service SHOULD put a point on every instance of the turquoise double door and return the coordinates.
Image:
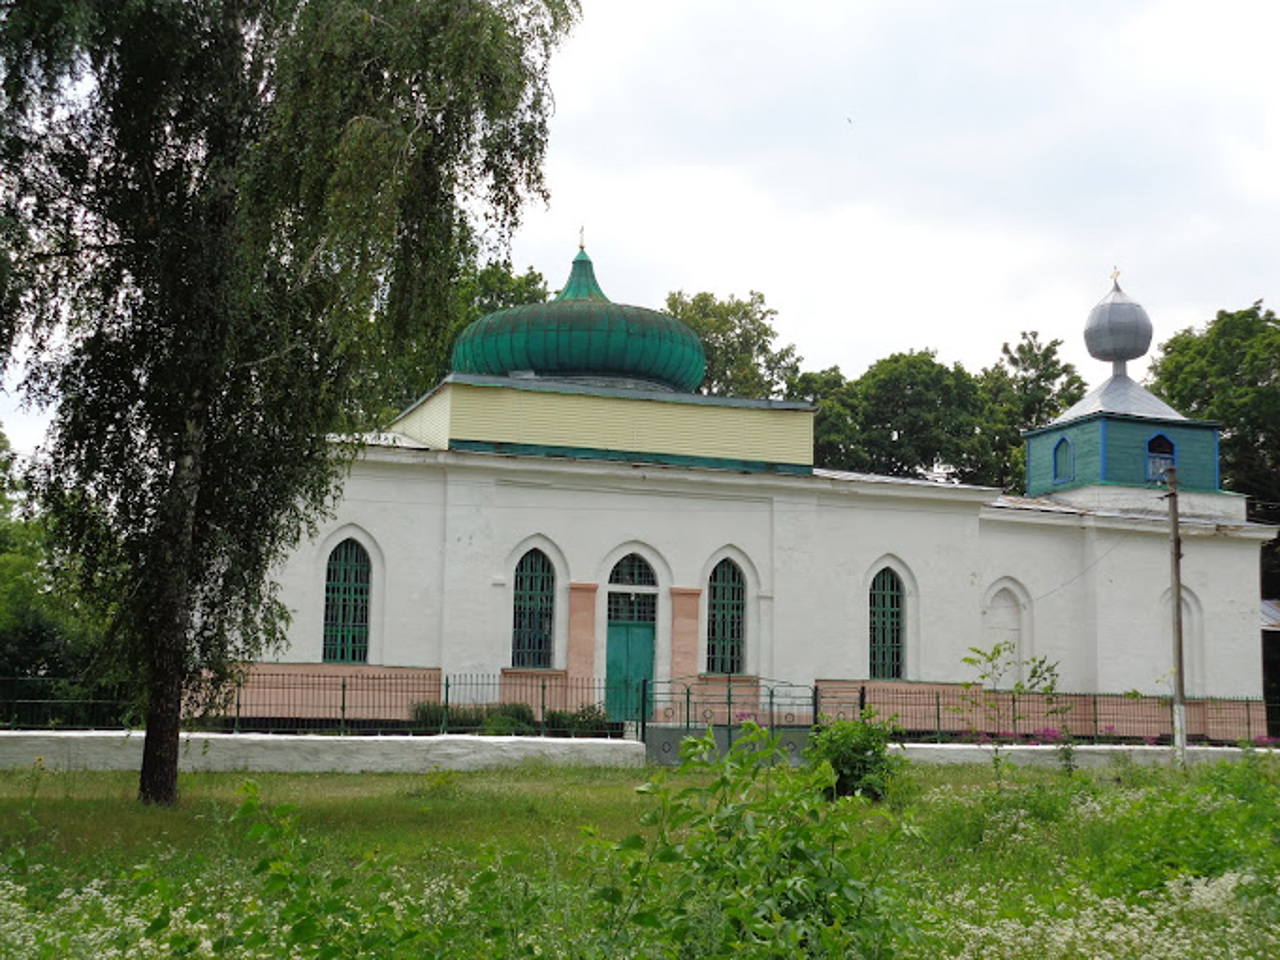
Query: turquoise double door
(628, 664)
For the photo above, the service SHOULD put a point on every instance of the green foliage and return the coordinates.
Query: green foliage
(559, 723)
(402, 368)
(509, 719)
(1002, 680)
(213, 218)
(752, 858)
(44, 628)
(491, 719)
(1136, 861)
(858, 752)
(835, 437)
(737, 336)
(311, 910)
(505, 725)
(589, 720)
(909, 415)
(1026, 388)
(1229, 371)
(1225, 829)
(916, 417)
(906, 416)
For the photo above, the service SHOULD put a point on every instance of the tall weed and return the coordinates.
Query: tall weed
(752, 858)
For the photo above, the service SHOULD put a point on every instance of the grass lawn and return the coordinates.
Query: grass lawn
(521, 809)
(736, 859)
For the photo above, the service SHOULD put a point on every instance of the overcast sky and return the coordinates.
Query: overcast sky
(905, 174)
(915, 174)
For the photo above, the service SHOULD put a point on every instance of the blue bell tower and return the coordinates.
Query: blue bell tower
(1120, 434)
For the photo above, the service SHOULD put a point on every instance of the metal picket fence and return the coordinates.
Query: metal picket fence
(301, 698)
(951, 712)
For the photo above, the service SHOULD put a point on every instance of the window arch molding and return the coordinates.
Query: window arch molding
(662, 625)
(661, 569)
(910, 613)
(377, 587)
(1022, 597)
(560, 615)
(1064, 460)
(752, 639)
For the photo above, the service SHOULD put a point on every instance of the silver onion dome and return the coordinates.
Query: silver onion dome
(1118, 329)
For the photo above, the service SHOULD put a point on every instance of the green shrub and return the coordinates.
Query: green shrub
(750, 860)
(558, 723)
(505, 725)
(499, 719)
(435, 717)
(858, 751)
(590, 720)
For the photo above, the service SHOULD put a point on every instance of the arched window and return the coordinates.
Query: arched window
(639, 605)
(887, 617)
(1064, 467)
(1160, 456)
(533, 620)
(726, 617)
(346, 604)
(1003, 623)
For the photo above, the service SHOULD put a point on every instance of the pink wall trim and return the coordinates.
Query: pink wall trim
(581, 657)
(685, 605)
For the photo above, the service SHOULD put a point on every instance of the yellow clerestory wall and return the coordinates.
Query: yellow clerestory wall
(678, 425)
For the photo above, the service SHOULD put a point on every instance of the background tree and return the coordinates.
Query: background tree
(1229, 371)
(210, 211)
(906, 416)
(1026, 388)
(738, 337)
(916, 417)
(43, 630)
(835, 439)
(402, 369)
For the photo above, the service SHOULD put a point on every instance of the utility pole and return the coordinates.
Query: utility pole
(1175, 579)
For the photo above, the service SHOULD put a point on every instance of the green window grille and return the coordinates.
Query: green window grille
(633, 607)
(346, 604)
(633, 569)
(532, 639)
(726, 614)
(1160, 456)
(887, 617)
(1063, 467)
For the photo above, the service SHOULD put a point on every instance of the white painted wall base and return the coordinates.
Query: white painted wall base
(268, 753)
(1091, 756)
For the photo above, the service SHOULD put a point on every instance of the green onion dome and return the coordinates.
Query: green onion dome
(582, 335)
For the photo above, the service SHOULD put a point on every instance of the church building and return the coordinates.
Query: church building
(564, 505)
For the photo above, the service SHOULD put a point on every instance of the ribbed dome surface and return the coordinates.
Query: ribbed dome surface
(1118, 328)
(583, 335)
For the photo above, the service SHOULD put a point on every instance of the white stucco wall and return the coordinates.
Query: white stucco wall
(445, 530)
(252, 753)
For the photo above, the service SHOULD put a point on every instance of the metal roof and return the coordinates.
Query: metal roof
(582, 334)
(1118, 328)
(852, 476)
(1121, 395)
(1271, 614)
